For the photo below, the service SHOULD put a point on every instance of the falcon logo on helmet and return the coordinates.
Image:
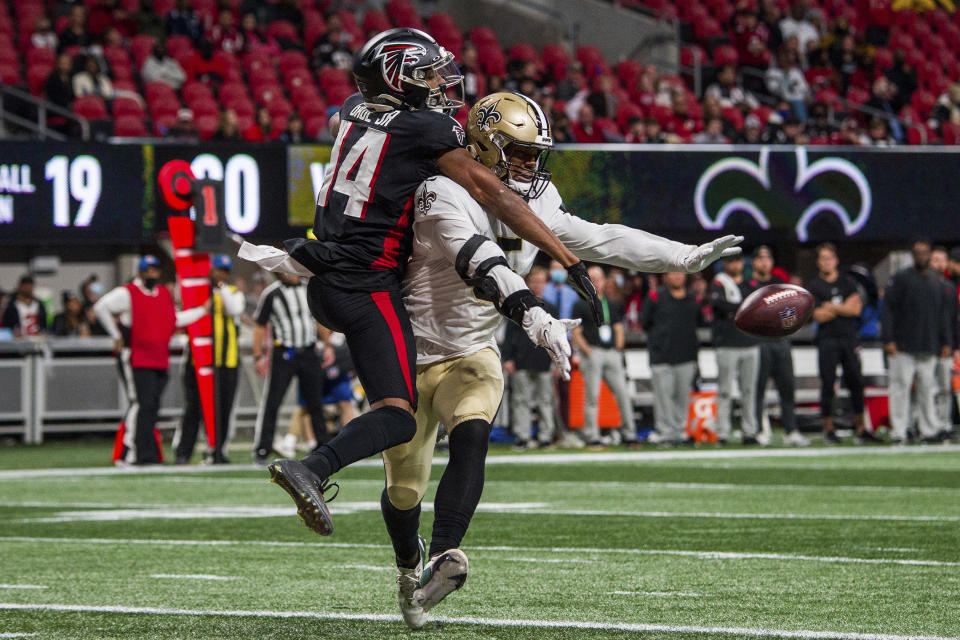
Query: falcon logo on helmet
(393, 56)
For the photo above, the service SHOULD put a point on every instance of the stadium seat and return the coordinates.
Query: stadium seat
(41, 57)
(91, 108)
(440, 21)
(305, 94)
(141, 46)
(524, 52)
(36, 78)
(205, 107)
(374, 20)
(283, 30)
(312, 109)
(923, 101)
(233, 91)
(555, 54)
(951, 133)
(451, 40)
(162, 123)
(725, 54)
(297, 77)
(129, 126)
(330, 77)
(484, 36)
(192, 91)
(290, 60)
(206, 126)
(734, 116)
(124, 106)
(625, 111)
(336, 95)
(244, 108)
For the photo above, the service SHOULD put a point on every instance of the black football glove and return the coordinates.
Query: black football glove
(579, 279)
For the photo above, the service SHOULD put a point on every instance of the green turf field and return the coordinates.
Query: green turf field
(819, 543)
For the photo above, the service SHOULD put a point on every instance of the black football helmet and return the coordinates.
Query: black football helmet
(407, 69)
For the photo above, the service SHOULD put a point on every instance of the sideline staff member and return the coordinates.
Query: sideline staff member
(149, 319)
(228, 304)
(284, 306)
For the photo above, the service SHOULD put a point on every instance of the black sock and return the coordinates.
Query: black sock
(361, 438)
(461, 485)
(403, 526)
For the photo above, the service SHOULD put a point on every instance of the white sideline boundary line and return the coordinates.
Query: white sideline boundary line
(492, 622)
(191, 576)
(578, 551)
(23, 586)
(117, 512)
(557, 458)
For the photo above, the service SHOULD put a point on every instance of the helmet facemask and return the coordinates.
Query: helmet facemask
(529, 182)
(446, 75)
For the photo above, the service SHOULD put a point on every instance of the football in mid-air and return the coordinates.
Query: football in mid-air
(775, 311)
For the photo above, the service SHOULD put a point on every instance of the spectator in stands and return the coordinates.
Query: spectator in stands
(681, 122)
(915, 333)
(253, 38)
(947, 108)
(838, 308)
(228, 126)
(771, 17)
(71, 321)
(332, 49)
(884, 99)
(636, 132)
(604, 99)
(474, 84)
(819, 126)
(160, 67)
(670, 316)
(751, 37)
(109, 13)
(727, 91)
(797, 25)
(820, 74)
(785, 81)
(184, 21)
(654, 132)
(225, 35)
(790, 132)
(25, 314)
(43, 36)
(752, 131)
(879, 133)
(90, 291)
(776, 358)
(943, 398)
(262, 128)
(712, 109)
(148, 21)
(184, 127)
(205, 67)
(712, 132)
(738, 357)
(844, 60)
(585, 129)
(560, 126)
(59, 85)
(75, 34)
(573, 84)
(601, 350)
(294, 132)
(903, 76)
(91, 81)
(878, 14)
(531, 377)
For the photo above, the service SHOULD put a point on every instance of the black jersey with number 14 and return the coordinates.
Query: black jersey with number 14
(364, 209)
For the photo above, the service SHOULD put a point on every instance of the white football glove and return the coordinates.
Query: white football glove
(699, 258)
(550, 333)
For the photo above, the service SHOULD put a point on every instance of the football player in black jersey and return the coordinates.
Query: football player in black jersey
(391, 136)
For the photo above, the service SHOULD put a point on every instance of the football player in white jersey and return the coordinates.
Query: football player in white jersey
(459, 375)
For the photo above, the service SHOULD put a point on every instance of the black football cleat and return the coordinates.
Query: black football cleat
(306, 489)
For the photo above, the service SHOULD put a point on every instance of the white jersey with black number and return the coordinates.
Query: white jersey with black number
(449, 321)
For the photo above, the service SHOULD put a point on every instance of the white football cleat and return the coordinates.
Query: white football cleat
(796, 439)
(408, 581)
(443, 575)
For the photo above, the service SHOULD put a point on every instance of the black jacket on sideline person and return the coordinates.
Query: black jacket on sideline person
(671, 326)
(518, 347)
(725, 332)
(913, 314)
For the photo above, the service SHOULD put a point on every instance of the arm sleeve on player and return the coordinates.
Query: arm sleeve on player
(188, 316)
(233, 300)
(618, 245)
(272, 259)
(114, 302)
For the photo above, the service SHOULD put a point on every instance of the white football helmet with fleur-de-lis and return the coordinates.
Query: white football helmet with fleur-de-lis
(507, 132)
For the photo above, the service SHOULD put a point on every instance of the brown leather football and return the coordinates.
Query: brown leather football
(775, 311)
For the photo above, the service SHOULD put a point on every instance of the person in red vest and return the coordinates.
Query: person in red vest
(148, 320)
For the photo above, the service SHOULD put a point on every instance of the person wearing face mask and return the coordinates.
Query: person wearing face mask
(148, 319)
(558, 293)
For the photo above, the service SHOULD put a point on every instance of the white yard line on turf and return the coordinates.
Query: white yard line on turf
(489, 622)
(22, 586)
(192, 576)
(655, 594)
(557, 458)
(579, 551)
(14, 634)
(361, 567)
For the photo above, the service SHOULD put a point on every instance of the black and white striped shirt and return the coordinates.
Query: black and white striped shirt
(285, 308)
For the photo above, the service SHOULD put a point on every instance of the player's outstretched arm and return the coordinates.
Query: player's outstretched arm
(491, 194)
(630, 248)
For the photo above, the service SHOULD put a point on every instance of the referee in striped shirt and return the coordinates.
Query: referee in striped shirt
(283, 305)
